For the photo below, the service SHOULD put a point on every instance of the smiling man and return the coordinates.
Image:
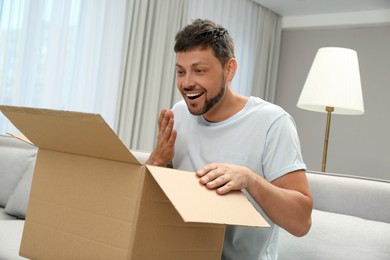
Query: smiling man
(233, 142)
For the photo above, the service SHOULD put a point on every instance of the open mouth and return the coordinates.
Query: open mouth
(193, 96)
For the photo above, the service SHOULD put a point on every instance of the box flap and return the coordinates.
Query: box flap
(21, 137)
(196, 203)
(71, 132)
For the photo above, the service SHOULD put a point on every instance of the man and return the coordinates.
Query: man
(233, 142)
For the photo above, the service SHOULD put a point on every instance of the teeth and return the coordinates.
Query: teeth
(193, 94)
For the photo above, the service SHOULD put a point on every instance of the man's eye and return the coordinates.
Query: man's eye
(179, 73)
(199, 71)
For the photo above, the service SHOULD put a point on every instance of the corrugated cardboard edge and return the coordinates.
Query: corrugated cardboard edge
(136, 214)
(21, 137)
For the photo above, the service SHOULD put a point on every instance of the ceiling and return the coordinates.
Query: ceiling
(308, 7)
(339, 12)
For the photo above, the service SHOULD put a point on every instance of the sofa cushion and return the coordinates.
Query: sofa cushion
(4, 216)
(18, 201)
(17, 158)
(10, 237)
(337, 236)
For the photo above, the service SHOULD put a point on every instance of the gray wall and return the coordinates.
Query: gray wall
(358, 145)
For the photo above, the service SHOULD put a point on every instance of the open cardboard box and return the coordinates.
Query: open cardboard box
(91, 199)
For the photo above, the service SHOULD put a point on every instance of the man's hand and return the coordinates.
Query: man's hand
(289, 192)
(225, 177)
(165, 148)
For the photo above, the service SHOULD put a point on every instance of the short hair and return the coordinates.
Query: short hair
(204, 33)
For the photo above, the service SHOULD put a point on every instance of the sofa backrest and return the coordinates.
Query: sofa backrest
(351, 195)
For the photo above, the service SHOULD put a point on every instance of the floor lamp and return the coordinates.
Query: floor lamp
(333, 86)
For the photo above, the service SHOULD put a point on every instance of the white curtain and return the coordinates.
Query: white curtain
(62, 54)
(266, 54)
(149, 83)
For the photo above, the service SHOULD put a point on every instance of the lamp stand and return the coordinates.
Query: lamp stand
(329, 110)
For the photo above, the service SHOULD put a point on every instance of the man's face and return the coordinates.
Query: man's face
(200, 79)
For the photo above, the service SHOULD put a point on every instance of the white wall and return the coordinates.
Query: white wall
(358, 145)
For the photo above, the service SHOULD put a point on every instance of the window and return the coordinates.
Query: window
(62, 54)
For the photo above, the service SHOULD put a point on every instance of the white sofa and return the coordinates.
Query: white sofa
(351, 219)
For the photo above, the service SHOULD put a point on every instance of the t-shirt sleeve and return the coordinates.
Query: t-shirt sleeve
(282, 152)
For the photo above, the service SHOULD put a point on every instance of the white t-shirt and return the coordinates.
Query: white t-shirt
(262, 137)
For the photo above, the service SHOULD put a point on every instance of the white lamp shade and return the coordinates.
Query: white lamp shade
(333, 81)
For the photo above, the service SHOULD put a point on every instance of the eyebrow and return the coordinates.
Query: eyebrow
(194, 64)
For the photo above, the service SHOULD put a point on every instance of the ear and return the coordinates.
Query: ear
(231, 68)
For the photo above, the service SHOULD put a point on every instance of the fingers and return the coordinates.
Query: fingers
(165, 118)
(172, 138)
(166, 137)
(206, 169)
(165, 126)
(225, 188)
(222, 184)
(208, 173)
(160, 118)
(225, 177)
(215, 176)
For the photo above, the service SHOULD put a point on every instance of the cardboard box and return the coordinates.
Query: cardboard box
(91, 198)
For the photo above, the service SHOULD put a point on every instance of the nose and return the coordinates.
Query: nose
(187, 81)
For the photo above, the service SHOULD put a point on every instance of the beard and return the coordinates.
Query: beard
(210, 103)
